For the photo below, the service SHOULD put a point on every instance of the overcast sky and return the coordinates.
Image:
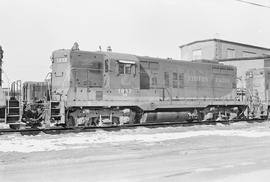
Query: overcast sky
(31, 29)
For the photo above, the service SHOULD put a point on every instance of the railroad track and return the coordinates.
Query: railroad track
(59, 130)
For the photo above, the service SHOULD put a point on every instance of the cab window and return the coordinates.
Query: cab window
(127, 69)
(121, 68)
(124, 68)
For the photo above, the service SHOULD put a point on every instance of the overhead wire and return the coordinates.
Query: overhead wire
(254, 4)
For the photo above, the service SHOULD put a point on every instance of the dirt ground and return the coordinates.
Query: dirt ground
(200, 153)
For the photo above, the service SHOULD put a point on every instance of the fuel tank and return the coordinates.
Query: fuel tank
(159, 117)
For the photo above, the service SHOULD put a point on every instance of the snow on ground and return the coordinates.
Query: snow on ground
(196, 153)
(43, 142)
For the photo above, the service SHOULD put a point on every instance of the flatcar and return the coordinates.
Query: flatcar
(107, 88)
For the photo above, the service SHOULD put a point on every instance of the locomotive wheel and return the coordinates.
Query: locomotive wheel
(70, 121)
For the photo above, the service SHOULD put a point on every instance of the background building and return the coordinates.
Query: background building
(216, 49)
(243, 56)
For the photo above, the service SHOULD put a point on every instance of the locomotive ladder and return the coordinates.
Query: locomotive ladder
(14, 103)
(2, 115)
(57, 113)
(55, 110)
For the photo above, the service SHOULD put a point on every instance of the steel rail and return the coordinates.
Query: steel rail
(60, 130)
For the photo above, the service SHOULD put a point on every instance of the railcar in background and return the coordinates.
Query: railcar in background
(34, 92)
(257, 91)
(2, 94)
(3, 106)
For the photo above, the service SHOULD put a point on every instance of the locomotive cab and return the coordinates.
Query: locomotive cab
(121, 71)
(88, 85)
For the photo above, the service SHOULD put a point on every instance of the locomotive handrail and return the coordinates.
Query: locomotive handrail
(202, 99)
(192, 98)
(85, 68)
(49, 85)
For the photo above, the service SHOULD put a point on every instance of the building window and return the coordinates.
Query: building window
(197, 54)
(167, 79)
(175, 80)
(230, 53)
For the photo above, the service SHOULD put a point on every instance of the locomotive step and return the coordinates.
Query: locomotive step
(13, 116)
(13, 104)
(13, 101)
(55, 116)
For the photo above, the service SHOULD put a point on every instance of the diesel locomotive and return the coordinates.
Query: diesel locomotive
(107, 88)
